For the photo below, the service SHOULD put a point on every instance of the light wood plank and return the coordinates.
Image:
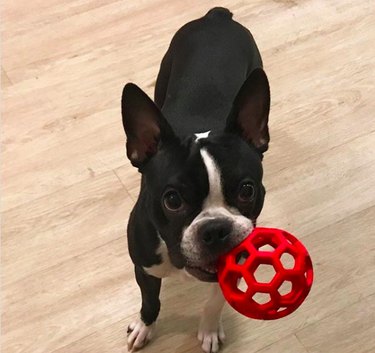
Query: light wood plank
(60, 167)
(5, 81)
(289, 344)
(302, 199)
(351, 330)
(131, 178)
(68, 301)
(62, 225)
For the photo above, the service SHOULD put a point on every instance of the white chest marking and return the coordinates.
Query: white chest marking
(166, 268)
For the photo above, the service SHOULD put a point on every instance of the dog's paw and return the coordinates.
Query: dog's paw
(139, 334)
(211, 335)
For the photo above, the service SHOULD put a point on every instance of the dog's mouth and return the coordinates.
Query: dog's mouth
(207, 273)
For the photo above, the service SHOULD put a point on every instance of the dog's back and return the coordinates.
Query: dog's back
(206, 64)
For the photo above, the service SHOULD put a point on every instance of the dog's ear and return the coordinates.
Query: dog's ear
(144, 125)
(249, 115)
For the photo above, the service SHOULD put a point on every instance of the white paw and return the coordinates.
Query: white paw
(139, 334)
(211, 334)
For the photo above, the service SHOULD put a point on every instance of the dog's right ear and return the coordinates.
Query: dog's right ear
(144, 125)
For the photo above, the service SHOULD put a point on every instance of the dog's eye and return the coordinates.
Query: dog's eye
(172, 201)
(246, 193)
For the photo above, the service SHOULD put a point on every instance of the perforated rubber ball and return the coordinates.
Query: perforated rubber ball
(267, 276)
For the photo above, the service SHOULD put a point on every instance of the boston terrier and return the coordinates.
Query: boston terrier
(199, 149)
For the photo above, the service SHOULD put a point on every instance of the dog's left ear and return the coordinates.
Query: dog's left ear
(249, 115)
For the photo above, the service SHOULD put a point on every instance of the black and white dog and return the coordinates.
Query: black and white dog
(199, 149)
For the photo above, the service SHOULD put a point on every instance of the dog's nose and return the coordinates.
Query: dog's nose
(215, 232)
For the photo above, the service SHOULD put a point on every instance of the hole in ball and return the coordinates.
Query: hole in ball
(285, 288)
(282, 308)
(264, 273)
(241, 257)
(242, 285)
(267, 247)
(262, 298)
(287, 261)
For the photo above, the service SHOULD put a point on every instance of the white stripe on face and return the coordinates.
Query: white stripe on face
(214, 206)
(215, 193)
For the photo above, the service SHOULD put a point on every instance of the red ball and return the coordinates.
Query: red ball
(266, 252)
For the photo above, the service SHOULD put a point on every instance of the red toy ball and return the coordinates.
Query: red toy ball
(267, 276)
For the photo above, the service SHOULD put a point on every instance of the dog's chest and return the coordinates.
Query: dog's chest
(166, 268)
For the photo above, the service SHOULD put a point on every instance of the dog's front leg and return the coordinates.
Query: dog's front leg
(141, 330)
(211, 332)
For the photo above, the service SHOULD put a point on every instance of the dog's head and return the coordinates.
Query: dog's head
(203, 193)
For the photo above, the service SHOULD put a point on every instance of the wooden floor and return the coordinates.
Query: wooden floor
(67, 281)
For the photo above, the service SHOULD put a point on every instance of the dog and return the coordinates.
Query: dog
(199, 148)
